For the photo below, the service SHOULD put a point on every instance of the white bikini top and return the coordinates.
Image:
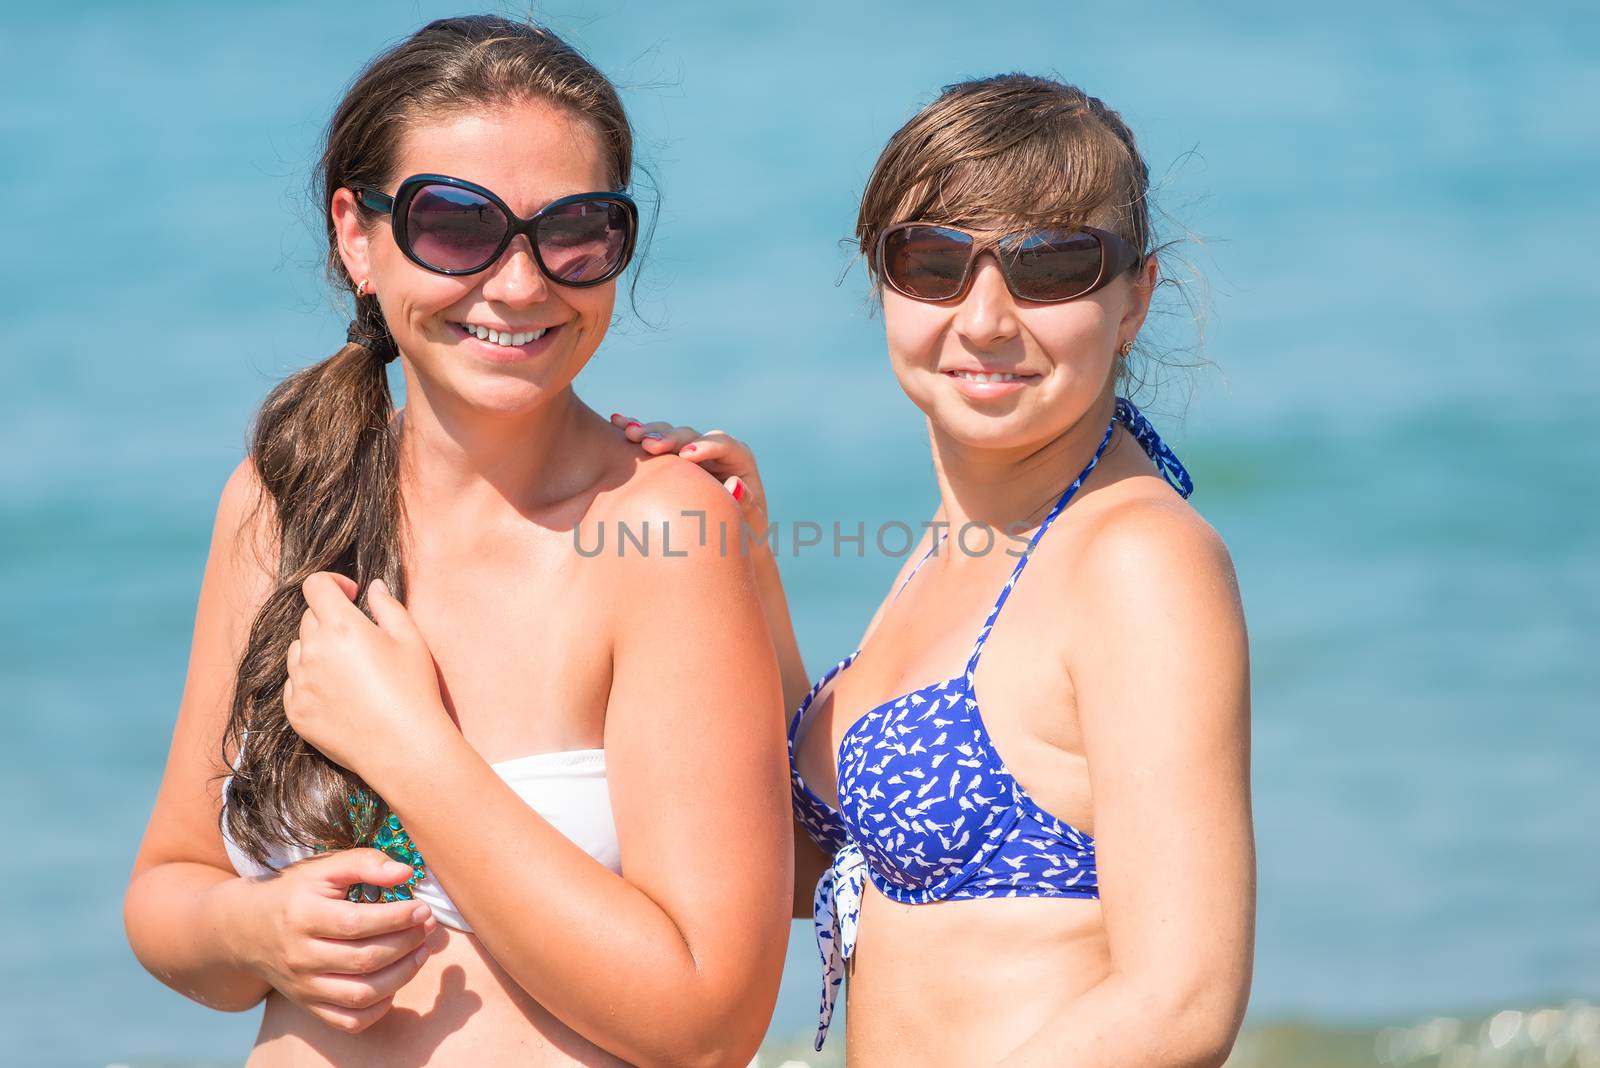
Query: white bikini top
(566, 788)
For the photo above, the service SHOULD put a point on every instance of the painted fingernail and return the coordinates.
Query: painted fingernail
(616, 415)
(632, 423)
(686, 448)
(738, 489)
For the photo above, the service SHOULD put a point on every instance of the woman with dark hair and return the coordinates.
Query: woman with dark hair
(438, 790)
(1088, 897)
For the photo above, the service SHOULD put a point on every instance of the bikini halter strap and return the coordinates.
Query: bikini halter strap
(1162, 456)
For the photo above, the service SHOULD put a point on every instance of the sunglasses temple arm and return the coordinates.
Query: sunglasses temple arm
(376, 201)
(1129, 258)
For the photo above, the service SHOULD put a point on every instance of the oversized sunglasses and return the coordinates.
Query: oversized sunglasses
(452, 226)
(925, 261)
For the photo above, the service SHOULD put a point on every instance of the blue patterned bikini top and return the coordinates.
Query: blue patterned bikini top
(929, 811)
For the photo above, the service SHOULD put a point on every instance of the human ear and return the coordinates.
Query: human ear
(353, 238)
(1144, 285)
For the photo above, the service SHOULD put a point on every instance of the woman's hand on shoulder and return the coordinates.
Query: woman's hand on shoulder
(340, 960)
(719, 454)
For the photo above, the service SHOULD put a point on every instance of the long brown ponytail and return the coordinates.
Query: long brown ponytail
(325, 442)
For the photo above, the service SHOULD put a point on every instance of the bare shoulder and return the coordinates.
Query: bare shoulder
(1164, 638)
(661, 485)
(679, 506)
(244, 547)
(239, 576)
(244, 508)
(1146, 542)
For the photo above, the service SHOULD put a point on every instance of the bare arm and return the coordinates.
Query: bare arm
(730, 460)
(676, 961)
(171, 910)
(1163, 698)
(187, 914)
(793, 677)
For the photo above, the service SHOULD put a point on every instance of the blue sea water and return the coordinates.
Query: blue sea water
(1396, 213)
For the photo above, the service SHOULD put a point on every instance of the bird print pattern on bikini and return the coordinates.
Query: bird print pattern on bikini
(928, 810)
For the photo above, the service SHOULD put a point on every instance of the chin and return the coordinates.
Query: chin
(980, 430)
(495, 391)
(507, 395)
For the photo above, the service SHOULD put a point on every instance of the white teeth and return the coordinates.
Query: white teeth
(502, 337)
(979, 376)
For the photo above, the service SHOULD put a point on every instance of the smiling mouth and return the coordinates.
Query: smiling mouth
(505, 338)
(988, 376)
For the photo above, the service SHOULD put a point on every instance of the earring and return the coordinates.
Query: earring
(1125, 348)
(362, 288)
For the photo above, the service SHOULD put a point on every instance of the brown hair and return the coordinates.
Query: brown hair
(1009, 150)
(1013, 150)
(324, 443)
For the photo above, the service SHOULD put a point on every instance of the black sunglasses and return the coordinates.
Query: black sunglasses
(452, 226)
(926, 261)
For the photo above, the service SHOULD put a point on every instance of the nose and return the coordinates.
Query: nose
(515, 277)
(987, 315)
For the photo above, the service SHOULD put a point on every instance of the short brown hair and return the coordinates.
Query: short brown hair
(1011, 150)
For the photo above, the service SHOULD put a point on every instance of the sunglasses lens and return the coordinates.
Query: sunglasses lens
(586, 241)
(926, 262)
(1050, 265)
(453, 229)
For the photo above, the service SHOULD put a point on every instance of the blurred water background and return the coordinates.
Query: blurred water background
(1398, 438)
